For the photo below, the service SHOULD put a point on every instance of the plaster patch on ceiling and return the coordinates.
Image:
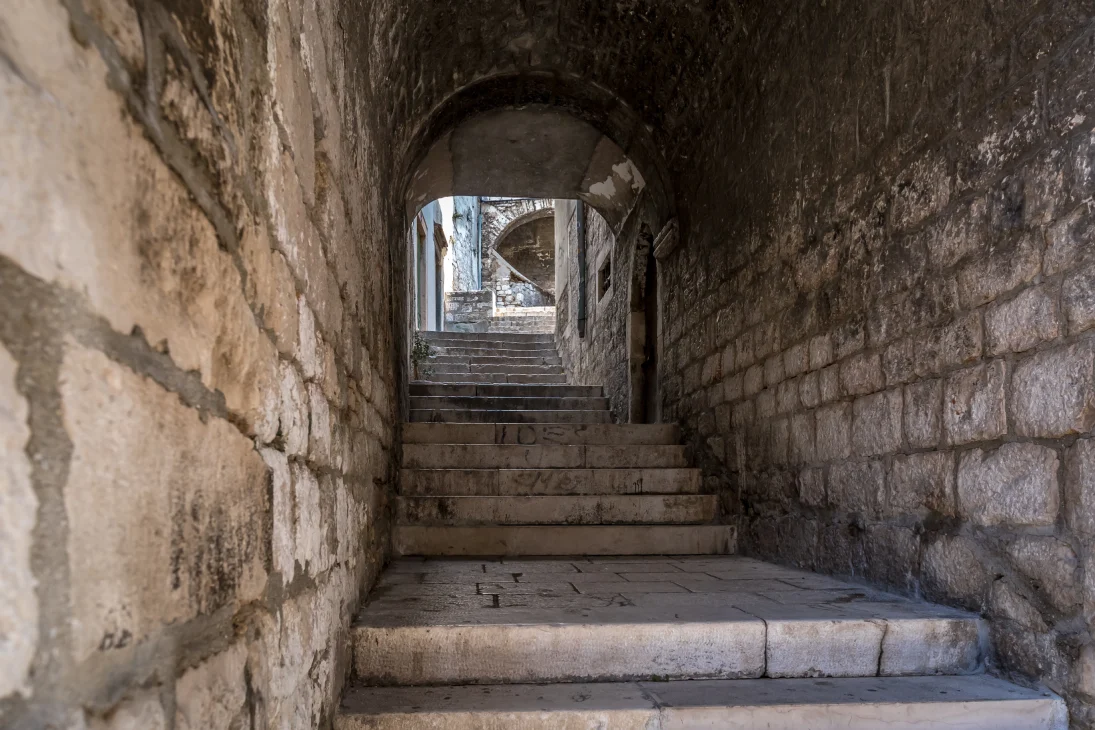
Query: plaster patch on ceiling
(606, 189)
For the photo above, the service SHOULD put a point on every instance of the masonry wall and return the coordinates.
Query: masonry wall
(600, 356)
(465, 244)
(879, 327)
(196, 369)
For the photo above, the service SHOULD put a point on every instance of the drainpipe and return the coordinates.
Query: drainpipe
(579, 214)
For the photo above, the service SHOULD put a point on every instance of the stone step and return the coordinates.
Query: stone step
(462, 415)
(548, 456)
(894, 703)
(512, 338)
(568, 540)
(496, 378)
(493, 345)
(584, 620)
(493, 360)
(547, 482)
(495, 352)
(501, 402)
(568, 510)
(506, 390)
(461, 368)
(610, 434)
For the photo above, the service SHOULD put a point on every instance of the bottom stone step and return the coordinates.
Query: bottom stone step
(567, 540)
(894, 703)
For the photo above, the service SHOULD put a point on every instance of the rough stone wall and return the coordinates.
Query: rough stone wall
(880, 324)
(600, 357)
(499, 216)
(465, 244)
(469, 311)
(196, 373)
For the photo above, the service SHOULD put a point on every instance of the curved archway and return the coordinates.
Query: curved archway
(538, 135)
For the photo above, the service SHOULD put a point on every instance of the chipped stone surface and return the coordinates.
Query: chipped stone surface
(1023, 322)
(1054, 393)
(974, 404)
(166, 514)
(212, 695)
(144, 713)
(18, 515)
(1016, 484)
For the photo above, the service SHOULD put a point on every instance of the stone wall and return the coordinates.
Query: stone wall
(880, 322)
(465, 244)
(469, 311)
(196, 369)
(500, 217)
(600, 357)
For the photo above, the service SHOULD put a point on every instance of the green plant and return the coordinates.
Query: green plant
(420, 353)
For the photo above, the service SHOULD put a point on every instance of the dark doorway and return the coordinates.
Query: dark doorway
(643, 331)
(651, 399)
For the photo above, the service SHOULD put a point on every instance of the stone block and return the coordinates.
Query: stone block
(1069, 240)
(892, 554)
(796, 360)
(973, 404)
(834, 432)
(284, 522)
(1014, 485)
(1053, 393)
(862, 374)
(1078, 300)
(1052, 568)
(295, 411)
(876, 423)
(952, 569)
(787, 396)
(1014, 261)
(733, 388)
(821, 352)
(308, 356)
(811, 487)
(213, 695)
(773, 370)
(728, 360)
(1080, 488)
(848, 339)
(924, 413)
(766, 405)
(320, 437)
(829, 381)
(802, 648)
(167, 515)
(857, 486)
(920, 484)
(18, 516)
(754, 380)
(1023, 322)
(803, 450)
(809, 390)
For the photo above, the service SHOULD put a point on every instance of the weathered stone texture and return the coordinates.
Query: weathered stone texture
(18, 515)
(1054, 393)
(166, 514)
(974, 404)
(1015, 485)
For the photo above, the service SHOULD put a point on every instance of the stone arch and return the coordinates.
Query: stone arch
(539, 135)
(543, 209)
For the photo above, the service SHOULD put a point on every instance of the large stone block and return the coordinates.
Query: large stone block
(1053, 393)
(952, 568)
(920, 484)
(1023, 322)
(1078, 299)
(973, 404)
(857, 486)
(18, 516)
(876, 423)
(1080, 487)
(861, 374)
(1052, 568)
(213, 695)
(141, 713)
(167, 515)
(1014, 261)
(924, 413)
(1014, 485)
(834, 432)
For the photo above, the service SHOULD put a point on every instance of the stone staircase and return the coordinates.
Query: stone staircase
(537, 320)
(569, 573)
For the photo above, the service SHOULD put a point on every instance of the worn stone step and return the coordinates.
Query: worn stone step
(501, 402)
(568, 540)
(895, 703)
(463, 351)
(527, 435)
(588, 620)
(569, 510)
(493, 360)
(452, 368)
(491, 482)
(506, 390)
(547, 456)
(492, 345)
(464, 415)
(517, 337)
(557, 378)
